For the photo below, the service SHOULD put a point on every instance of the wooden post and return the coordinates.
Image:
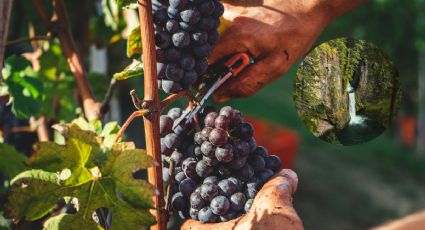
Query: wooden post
(151, 121)
(5, 8)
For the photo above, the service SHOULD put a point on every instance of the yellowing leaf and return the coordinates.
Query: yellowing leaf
(134, 43)
(132, 70)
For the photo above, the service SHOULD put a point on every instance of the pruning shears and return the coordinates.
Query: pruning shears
(208, 83)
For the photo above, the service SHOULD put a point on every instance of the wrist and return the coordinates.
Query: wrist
(330, 9)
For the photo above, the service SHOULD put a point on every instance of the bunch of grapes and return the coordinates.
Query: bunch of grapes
(220, 169)
(185, 31)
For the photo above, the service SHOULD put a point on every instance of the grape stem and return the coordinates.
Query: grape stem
(173, 97)
(134, 115)
(170, 185)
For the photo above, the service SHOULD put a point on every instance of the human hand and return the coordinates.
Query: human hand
(276, 33)
(272, 208)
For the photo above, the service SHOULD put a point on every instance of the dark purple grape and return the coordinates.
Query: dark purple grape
(178, 4)
(179, 202)
(208, 149)
(209, 191)
(248, 205)
(206, 23)
(221, 122)
(174, 72)
(223, 171)
(164, 149)
(218, 137)
(190, 15)
(211, 179)
(160, 59)
(189, 78)
(180, 39)
(202, 51)
(186, 26)
(230, 215)
(174, 113)
(224, 153)
(178, 157)
(172, 26)
(210, 161)
(265, 175)
(203, 169)
(273, 162)
(209, 120)
(220, 205)
(237, 118)
(165, 125)
(236, 182)
(196, 201)
(247, 131)
(238, 162)
(205, 215)
(171, 140)
(206, 8)
(198, 138)
(160, 16)
(237, 201)
(257, 162)
(246, 172)
(173, 12)
(261, 151)
(252, 144)
(187, 186)
(241, 147)
(226, 187)
(179, 177)
(199, 37)
(172, 54)
(187, 62)
(218, 8)
(198, 152)
(250, 192)
(162, 39)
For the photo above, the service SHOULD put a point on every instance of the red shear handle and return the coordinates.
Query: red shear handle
(237, 63)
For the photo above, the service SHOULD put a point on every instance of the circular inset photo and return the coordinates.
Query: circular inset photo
(347, 91)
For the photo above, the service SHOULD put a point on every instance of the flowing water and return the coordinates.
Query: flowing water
(354, 118)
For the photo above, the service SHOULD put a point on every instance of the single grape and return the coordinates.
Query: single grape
(210, 161)
(180, 39)
(202, 169)
(257, 162)
(178, 157)
(252, 144)
(178, 201)
(248, 205)
(198, 138)
(237, 201)
(247, 131)
(238, 162)
(189, 79)
(187, 27)
(218, 9)
(200, 37)
(172, 26)
(209, 120)
(187, 186)
(196, 201)
(172, 54)
(174, 72)
(209, 191)
(202, 51)
(251, 191)
(261, 151)
(164, 149)
(179, 177)
(246, 172)
(241, 147)
(205, 215)
(206, 23)
(193, 213)
(189, 169)
(174, 113)
(165, 125)
(220, 205)
(190, 15)
(198, 152)
(187, 62)
(273, 162)
(171, 140)
(160, 16)
(218, 137)
(201, 66)
(207, 8)
(230, 215)
(178, 4)
(265, 174)
(162, 39)
(236, 182)
(208, 149)
(221, 122)
(173, 12)
(226, 187)
(224, 153)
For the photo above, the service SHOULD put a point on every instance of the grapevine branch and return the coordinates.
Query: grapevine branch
(28, 39)
(5, 8)
(139, 113)
(60, 24)
(151, 100)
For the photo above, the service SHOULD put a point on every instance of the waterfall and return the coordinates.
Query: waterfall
(354, 118)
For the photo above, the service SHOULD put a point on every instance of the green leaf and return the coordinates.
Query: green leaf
(12, 162)
(127, 3)
(108, 132)
(111, 185)
(132, 70)
(134, 43)
(26, 91)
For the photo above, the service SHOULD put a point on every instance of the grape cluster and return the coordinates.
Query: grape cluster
(185, 31)
(220, 169)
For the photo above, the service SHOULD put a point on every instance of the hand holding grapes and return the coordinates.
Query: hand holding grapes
(276, 33)
(271, 209)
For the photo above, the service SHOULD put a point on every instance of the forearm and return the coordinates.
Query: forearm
(334, 8)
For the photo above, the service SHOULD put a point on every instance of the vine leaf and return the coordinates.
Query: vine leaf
(127, 3)
(132, 70)
(108, 132)
(134, 43)
(26, 91)
(98, 177)
(12, 162)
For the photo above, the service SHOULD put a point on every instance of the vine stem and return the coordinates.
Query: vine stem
(151, 100)
(60, 17)
(139, 113)
(173, 97)
(5, 8)
(28, 39)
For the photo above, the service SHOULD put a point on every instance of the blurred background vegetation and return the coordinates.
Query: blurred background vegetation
(354, 187)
